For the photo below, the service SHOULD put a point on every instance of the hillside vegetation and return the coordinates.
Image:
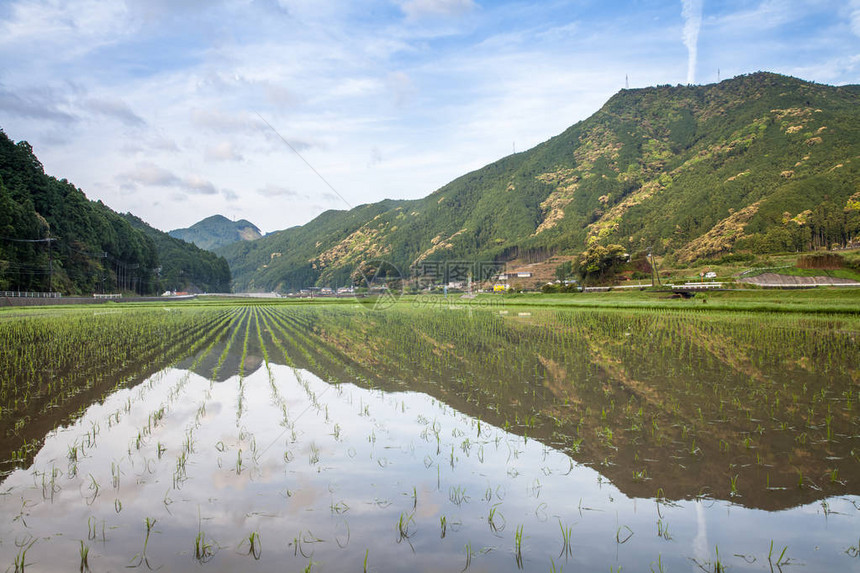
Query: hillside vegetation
(757, 164)
(217, 231)
(52, 238)
(185, 266)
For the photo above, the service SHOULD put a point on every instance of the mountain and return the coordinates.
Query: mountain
(217, 231)
(758, 163)
(52, 238)
(184, 265)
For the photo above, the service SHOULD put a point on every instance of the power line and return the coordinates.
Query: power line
(305, 160)
(48, 240)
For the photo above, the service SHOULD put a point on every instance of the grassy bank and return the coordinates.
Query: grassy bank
(817, 300)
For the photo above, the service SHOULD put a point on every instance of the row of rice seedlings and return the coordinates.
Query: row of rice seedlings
(311, 345)
(151, 356)
(235, 324)
(104, 370)
(156, 416)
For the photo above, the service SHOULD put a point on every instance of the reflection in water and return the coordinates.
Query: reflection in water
(674, 404)
(428, 440)
(330, 475)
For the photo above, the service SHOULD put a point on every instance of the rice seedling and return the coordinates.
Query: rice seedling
(141, 558)
(496, 520)
(21, 558)
(469, 555)
(403, 524)
(518, 546)
(84, 554)
(623, 535)
(457, 495)
(93, 487)
(204, 550)
(255, 547)
(781, 560)
(566, 534)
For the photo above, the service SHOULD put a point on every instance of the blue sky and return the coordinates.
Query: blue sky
(160, 107)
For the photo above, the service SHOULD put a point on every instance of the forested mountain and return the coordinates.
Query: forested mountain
(758, 163)
(217, 231)
(52, 238)
(185, 266)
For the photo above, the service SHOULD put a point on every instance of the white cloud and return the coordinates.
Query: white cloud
(151, 175)
(68, 29)
(855, 17)
(226, 122)
(43, 103)
(224, 151)
(115, 109)
(148, 173)
(198, 185)
(275, 191)
(415, 9)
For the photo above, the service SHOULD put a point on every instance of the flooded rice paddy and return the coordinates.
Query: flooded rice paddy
(335, 438)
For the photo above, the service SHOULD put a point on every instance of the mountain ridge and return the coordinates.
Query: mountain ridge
(757, 163)
(217, 231)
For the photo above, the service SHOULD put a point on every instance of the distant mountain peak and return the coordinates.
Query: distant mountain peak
(218, 231)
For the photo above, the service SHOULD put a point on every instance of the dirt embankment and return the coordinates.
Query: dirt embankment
(774, 279)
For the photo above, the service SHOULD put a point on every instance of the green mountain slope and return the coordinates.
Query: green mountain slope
(217, 231)
(52, 238)
(185, 266)
(760, 163)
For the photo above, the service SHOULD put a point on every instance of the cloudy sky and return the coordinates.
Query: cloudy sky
(276, 110)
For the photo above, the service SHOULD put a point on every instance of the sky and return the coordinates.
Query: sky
(277, 110)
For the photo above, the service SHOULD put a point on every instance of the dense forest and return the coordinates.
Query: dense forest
(184, 266)
(761, 163)
(54, 239)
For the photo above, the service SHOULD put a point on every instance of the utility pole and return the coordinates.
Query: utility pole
(49, 240)
(655, 274)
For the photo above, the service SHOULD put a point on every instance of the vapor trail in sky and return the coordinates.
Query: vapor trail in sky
(691, 11)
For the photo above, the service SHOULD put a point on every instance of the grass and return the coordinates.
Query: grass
(822, 300)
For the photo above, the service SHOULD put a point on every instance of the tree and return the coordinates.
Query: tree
(599, 263)
(564, 270)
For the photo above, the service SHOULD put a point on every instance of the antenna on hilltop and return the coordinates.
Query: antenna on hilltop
(626, 82)
(718, 74)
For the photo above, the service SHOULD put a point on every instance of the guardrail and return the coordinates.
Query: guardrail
(25, 294)
(763, 270)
